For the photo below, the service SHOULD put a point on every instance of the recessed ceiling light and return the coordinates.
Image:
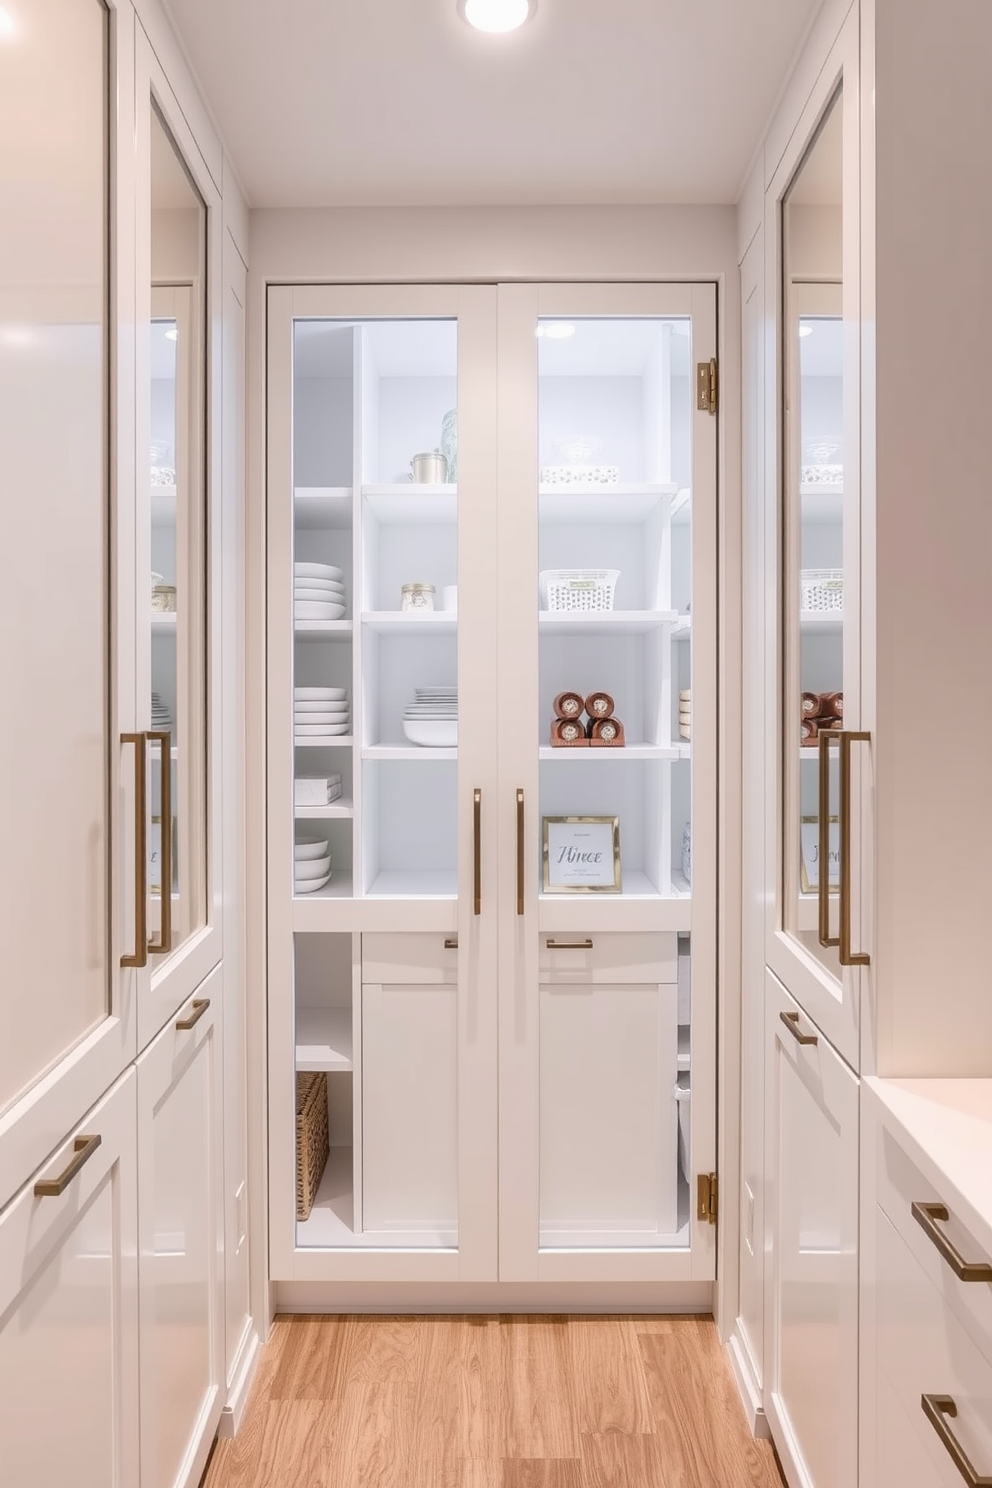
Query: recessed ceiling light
(172, 334)
(8, 26)
(497, 15)
(805, 330)
(558, 330)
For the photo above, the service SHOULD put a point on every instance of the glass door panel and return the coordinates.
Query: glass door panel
(813, 670)
(177, 835)
(55, 567)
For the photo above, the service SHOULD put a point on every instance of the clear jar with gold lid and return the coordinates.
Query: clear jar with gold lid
(417, 597)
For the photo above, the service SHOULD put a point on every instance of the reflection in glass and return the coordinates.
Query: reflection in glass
(813, 670)
(177, 581)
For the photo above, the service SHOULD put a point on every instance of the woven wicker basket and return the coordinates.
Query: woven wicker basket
(311, 1139)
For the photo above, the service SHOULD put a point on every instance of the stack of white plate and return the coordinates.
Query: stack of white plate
(311, 865)
(318, 591)
(161, 717)
(320, 713)
(432, 719)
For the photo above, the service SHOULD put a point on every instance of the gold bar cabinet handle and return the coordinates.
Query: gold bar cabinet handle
(847, 956)
(791, 1021)
(164, 943)
(477, 834)
(927, 1216)
(520, 852)
(199, 1007)
(83, 1149)
(568, 945)
(937, 1408)
(140, 957)
(823, 843)
(451, 944)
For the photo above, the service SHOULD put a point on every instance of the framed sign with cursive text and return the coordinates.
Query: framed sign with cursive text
(582, 855)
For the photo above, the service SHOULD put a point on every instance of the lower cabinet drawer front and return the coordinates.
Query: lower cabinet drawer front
(593, 959)
(431, 959)
(904, 1458)
(900, 1186)
(923, 1350)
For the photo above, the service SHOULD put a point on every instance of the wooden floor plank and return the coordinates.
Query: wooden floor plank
(542, 1472)
(617, 1461)
(608, 1376)
(540, 1405)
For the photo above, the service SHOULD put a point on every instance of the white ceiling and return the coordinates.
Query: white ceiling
(400, 103)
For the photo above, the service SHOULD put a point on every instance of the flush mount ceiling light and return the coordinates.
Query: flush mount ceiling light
(496, 15)
(172, 334)
(805, 330)
(556, 330)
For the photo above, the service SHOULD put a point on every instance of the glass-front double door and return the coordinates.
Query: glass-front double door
(492, 721)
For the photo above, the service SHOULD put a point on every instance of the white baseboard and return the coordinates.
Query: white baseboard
(428, 1297)
(747, 1385)
(241, 1380)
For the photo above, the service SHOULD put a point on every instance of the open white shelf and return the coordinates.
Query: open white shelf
(682, 630)
(605, 622)
(412, 885)
(405, 505)
(164, 620)
(319, 508)
(636, 885)
(163, 506)
(408, 752)
(323, 1039)
(578, 505)
(628, 751)
(331, 1225)
(822, 504)
(337, 811)
(341, 886)
(411, 622)
(338, 741)
(822, 622)
(322, 630)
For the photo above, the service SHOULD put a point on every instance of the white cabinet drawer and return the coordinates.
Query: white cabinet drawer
(410, 960)
(923, 1350)
(900, 1186)
(593, 959)
(902, 1453)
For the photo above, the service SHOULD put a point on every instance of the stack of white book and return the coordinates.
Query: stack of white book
(685, 714)
(316, 790)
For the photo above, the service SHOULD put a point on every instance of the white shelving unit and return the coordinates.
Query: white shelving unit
(323, 1039)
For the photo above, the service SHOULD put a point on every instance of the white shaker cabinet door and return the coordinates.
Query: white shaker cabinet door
(68, 1311)
(180, 1224)
(811, 1283)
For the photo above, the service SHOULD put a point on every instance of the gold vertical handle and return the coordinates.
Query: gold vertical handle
(937, 1408)
(140, 957)
(164, 943)
(520, 852)
(823, 843)
(477, 847)
(848, 957)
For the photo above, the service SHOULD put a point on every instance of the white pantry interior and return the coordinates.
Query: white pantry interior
(524, 1087)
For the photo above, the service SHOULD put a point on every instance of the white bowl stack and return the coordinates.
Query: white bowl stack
(432, 719)
(318, 591)
(320, 713)
(311, 865)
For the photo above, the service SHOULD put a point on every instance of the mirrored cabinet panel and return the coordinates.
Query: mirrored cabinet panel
(177, 837)
(55, 560)
(813, 659)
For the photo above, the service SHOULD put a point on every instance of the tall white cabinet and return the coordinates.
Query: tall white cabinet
(112, 1144)
(520, 1081)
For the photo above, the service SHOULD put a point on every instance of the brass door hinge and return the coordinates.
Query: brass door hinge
(706, 386)
(707, 1198)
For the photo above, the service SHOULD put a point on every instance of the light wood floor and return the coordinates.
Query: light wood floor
(493, 1402)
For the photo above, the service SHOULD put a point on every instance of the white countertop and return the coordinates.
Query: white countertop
(945, 1126)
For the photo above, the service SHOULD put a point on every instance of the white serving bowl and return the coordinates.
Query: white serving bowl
(310, 885)
(307, 581)
(320, 694)
(436, 734)
(311, 720)
(319, 705)
(318, 596)
(305, 849)
(308, 610)
(311, 868)
(318, 571)
(320, 730)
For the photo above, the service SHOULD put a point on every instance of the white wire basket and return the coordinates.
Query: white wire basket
(578, 588)
(822, 588)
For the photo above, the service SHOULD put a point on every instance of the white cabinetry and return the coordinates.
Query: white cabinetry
(180, 1237)
(69, 1310)
(429, 952)
(811, 1295)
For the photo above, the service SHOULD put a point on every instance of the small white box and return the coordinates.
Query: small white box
(316, 790)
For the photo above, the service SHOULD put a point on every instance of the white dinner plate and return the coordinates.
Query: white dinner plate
(320, 730)
(320, 705)
(320, 694)
(304, 721)
(305, 610)
(318, 596)
(318, 571)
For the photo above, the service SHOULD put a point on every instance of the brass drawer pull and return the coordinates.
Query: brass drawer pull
(568, 945)
(927, 1215)
(163, 945)
(200, 1005)
(451, 944)
(83, 1149)
(791, 1021)
(937, 1408)
(140, 956)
